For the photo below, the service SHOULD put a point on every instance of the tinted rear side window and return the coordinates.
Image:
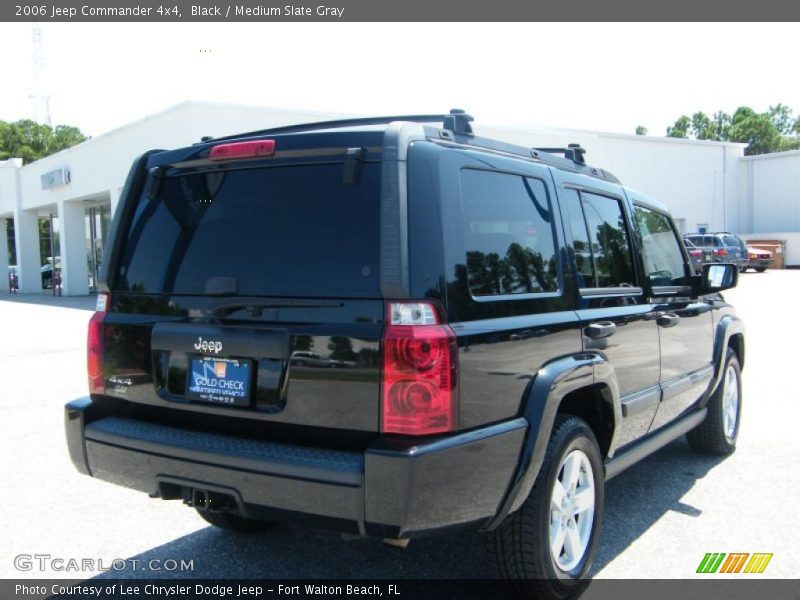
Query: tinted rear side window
(279, 231)
(509, 240)
(610, 245)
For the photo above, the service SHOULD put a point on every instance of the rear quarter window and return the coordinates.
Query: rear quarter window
(509, 239)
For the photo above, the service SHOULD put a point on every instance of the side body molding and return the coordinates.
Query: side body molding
(544, 395)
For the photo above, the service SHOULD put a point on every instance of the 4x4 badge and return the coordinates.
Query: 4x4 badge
(208, 345)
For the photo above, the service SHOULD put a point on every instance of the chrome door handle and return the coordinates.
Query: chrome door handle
(601, 329)
(668, 320)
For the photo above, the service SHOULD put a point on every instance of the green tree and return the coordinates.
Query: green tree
(341, 348)
(641, 130)
(303, 343)
(31, 141)
(772, 131)
(66, 136)
(681, 128)
(758, 131)
(704, 128)
(789, 143)
(781, 116)
(722, 122)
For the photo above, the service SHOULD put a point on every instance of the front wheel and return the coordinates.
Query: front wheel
(760, 269)
(546, 548)
(717, 434)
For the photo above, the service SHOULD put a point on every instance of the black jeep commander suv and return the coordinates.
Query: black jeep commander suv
(512, 327)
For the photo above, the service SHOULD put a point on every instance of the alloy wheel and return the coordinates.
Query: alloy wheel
(571, 510)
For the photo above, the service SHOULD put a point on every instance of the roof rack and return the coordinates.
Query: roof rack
(456, 124)
(458, 121)
(573, 152)
(337, 123)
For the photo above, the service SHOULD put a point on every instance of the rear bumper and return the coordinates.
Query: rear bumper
(393, 489)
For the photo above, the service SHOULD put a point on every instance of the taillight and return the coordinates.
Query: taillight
(243, 150)
(721, 252)
(94, 347)
(695, 253)
(418, 389)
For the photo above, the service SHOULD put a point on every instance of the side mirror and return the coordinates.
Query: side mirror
(717, 277)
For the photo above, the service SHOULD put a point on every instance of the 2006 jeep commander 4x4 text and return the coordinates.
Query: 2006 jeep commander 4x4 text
(499, 330)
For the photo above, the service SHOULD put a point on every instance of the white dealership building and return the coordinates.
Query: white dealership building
(707, 185)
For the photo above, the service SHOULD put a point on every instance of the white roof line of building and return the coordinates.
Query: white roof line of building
(325, 115)
(610, 134)
(784, 154)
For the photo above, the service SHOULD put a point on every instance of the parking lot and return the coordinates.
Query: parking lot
(662, 515)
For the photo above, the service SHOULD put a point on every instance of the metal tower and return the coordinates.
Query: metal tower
(39, 98)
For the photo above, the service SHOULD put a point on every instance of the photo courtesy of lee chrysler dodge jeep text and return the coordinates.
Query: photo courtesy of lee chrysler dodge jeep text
(393, 327)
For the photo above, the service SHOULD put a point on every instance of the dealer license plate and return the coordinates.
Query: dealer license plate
(219, 380)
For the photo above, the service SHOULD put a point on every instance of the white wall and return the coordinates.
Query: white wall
(8, 185)
(696, 180)
(101, 164)
(770, 188)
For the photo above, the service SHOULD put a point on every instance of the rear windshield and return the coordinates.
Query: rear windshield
(279, 231)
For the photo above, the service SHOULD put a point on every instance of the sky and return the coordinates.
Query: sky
(603, 77)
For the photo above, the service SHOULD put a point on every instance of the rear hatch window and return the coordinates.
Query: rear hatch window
(274, 231)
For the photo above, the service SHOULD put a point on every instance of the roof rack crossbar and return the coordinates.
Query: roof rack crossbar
(458, 121)
(574, 152)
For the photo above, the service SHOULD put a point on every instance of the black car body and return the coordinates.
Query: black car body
(471, 286)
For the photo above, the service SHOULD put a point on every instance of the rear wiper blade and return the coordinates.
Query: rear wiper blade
(221, 307)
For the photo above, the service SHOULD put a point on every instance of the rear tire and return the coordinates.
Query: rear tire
(232, 522)
(546, 548)
(760, 269)
(717, 434)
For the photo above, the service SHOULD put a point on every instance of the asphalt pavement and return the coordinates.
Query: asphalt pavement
(662, 515)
